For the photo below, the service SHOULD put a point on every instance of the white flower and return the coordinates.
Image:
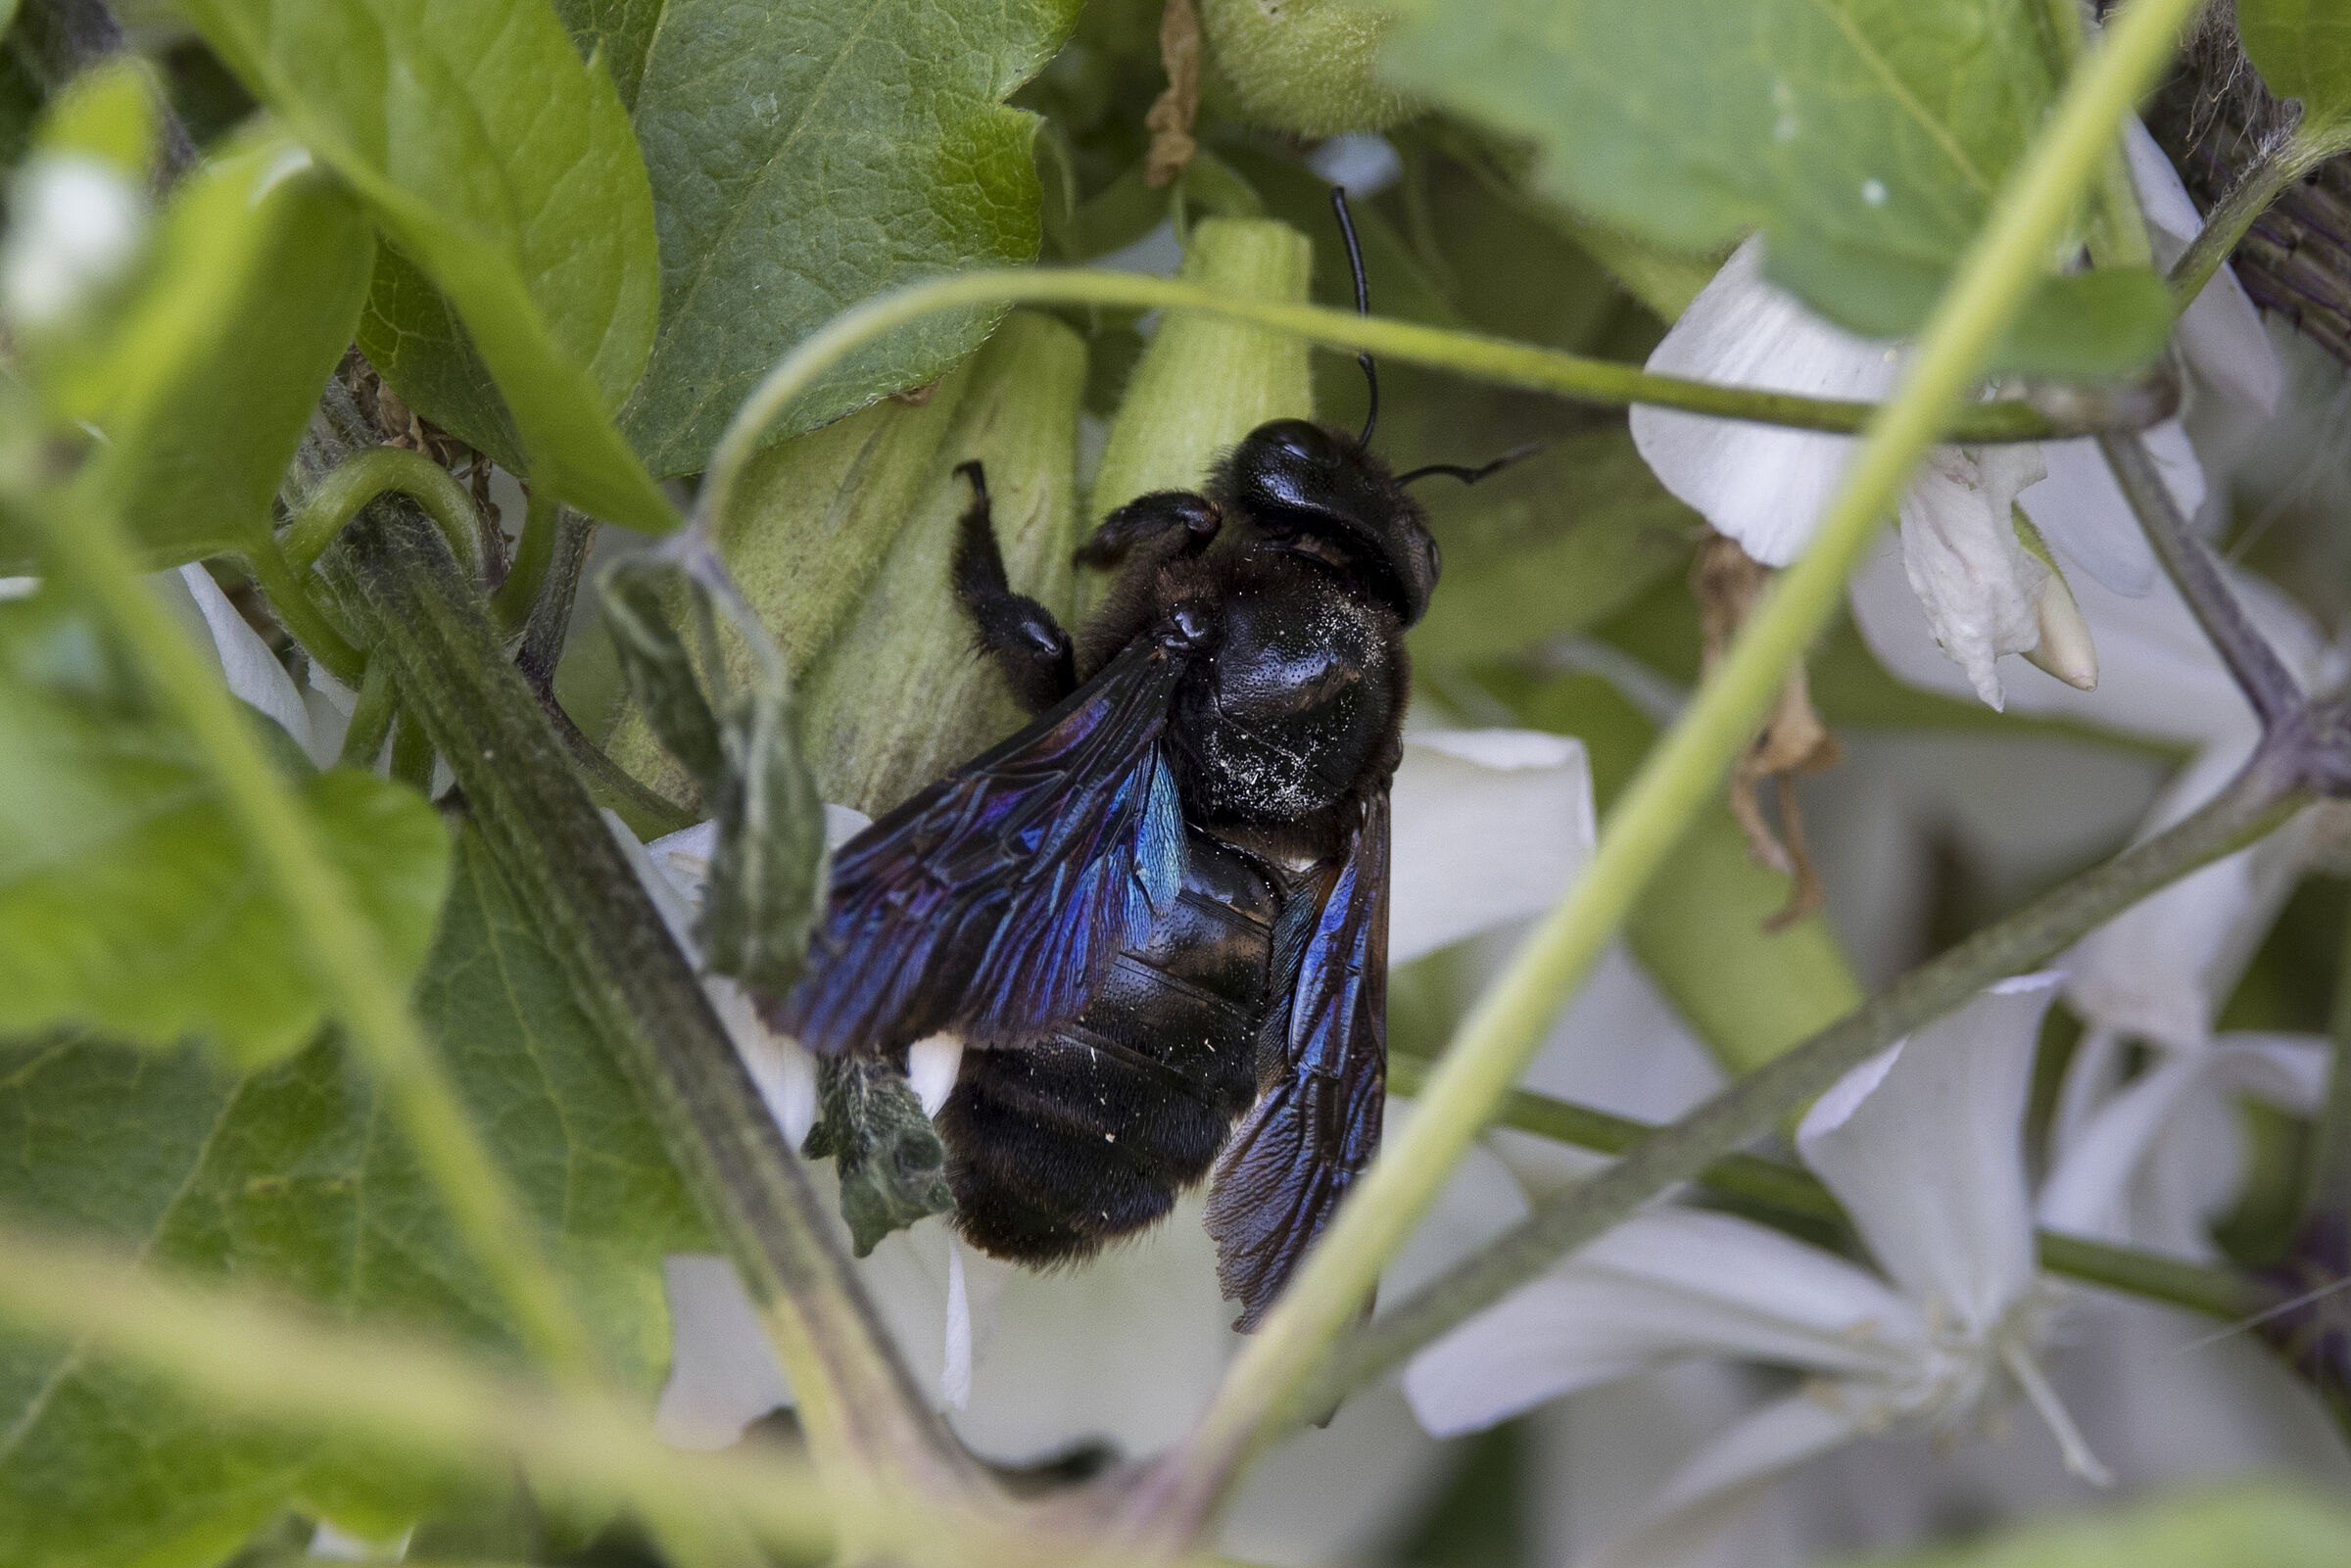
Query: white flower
(1489, 826)
(1985, 592)
(77, 225)
(1922, 1146)
(315, 717)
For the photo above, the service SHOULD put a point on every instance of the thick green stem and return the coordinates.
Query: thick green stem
(1752, 1105)
(1790, 1190)
(335, 499)
(2255, 189)
(1470, 353)
(866, 1424)
(1268, 1382)
(520, 591)
(334, 941)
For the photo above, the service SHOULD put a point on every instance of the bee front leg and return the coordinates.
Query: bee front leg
(1164, 523)
(1021, 635)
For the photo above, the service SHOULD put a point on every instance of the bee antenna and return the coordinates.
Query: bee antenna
(1363, 304)
(1470, 476)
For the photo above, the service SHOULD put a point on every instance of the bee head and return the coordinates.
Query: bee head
(1302, 479)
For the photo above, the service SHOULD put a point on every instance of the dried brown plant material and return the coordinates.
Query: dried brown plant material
(1792, 741)
(1171, 116)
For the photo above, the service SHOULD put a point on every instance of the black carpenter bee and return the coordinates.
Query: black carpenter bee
(1162, 906)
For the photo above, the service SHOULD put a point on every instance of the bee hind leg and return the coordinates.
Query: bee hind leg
(1028, 646)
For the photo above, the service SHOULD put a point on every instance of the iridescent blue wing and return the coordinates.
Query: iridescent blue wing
(1323, 1077)
(989, 904)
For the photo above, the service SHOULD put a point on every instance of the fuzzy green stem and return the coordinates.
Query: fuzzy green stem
(1790, 1190)
(520, 591)
(336, 500)
(2255, 189)
(1265, 1385)
(289, 595)
(371, 718)
(332, 938)
(1470, 353)
(866, 1423)
(2254, 803)
(412, 753)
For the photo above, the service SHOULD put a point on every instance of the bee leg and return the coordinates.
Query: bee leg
(1167, 521)
(1021, 635)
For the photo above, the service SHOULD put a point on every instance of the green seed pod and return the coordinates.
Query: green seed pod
(1303, 65)
(900, 696)
(1205, 382)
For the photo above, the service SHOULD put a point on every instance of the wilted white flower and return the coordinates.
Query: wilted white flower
(1922, 1146)
(77, 224)
(1986, 590)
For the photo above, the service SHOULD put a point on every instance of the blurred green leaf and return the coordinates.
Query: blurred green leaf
(129, 900)
(110, 111)
(2302, 49)
(260, 267)
(806, 157)
(1864, 137)
(616, 32)
(294, 1177)
(2239, 1525)
(503, 169)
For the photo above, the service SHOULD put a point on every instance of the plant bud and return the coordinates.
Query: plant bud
(1304, 65)
(1205, 382)
(901, 696)
(2065, 649)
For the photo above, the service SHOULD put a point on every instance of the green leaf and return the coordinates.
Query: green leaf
(2302, 49)
(414, 340)
(503, 168)
(297, 1177)
(892, 1165)
(261, 264)
(1864, 137)
(129, 900)
(806, 156)
(616, 33)
(112, 112)
(2238, 1525)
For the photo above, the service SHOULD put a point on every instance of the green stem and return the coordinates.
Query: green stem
(520, 591)
(411, 752)
(1795, 1192)
(247, 1356)
(1752, 1105)
(2255, 189)
(2331, 1159)
(334, 940)
(289, 595)
(1470, 353)
(336, 500)
(1266, 1383)
(370, 719)
(866, 1423)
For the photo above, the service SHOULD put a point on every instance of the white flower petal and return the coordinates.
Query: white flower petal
(2082, 512)
(1922, 1145)
(1665, 1285)
(253, 673)
(722, 1376)
(1764, 487)
(931, 1067)
(2220, 334)
(1707, 1495)
(1489, 825)
(1980, 585)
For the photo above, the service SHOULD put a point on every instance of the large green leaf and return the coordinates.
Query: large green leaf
(503, 168)
(1865, 137)
(807, 154)
(617, 34)
(2238, 1525)
(297, 1176)
(129, 899)
(261, 265)
(2302, 49)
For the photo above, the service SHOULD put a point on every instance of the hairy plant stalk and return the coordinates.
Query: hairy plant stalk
(1752, 1105)
(865, 1421)
(1792, 1191)
(2263, 180)
(1270, 1382)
